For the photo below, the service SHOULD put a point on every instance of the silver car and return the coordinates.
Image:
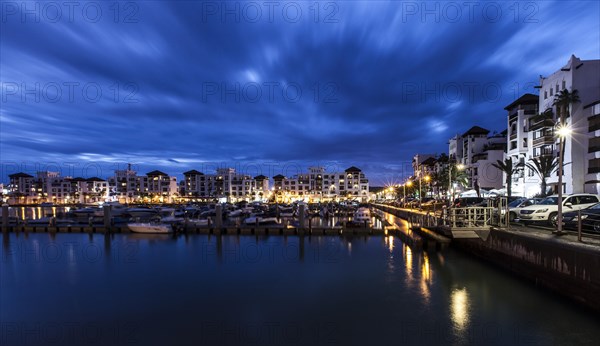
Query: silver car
(515, 206)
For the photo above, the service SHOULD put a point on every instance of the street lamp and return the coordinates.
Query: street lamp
(459, 167)
(562, 131)
(420, 179)
(409, 184)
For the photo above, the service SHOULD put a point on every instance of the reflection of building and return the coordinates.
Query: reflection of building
(318, 185)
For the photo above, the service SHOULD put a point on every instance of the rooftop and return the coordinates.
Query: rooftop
(20, 175)
(526, 99)
(155, 173)
(193, 172)
(476, 130)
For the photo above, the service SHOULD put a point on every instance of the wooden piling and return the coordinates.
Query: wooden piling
(5, 217)
(107, 217)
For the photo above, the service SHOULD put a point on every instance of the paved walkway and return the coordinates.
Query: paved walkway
(590, 241)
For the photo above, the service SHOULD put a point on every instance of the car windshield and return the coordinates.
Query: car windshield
(549, 201)
(515, 203)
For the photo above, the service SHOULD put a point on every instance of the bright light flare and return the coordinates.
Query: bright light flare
(564, 131)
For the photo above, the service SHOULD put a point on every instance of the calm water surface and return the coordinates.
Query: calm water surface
(75, 289)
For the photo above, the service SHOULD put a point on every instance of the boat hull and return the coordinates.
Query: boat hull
(148, 228)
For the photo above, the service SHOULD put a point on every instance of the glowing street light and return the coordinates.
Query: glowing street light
(420, 179)
(459, 167)
(564, 131)
(409, 184)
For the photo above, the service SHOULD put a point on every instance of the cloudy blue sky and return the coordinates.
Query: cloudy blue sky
(268, 87)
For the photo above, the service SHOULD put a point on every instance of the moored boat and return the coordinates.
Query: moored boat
(261, 220)
(362, 214)
(150, 228)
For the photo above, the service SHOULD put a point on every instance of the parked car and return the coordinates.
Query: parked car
(469, 202)
(515, 206)
(547, 209)
(590, 219)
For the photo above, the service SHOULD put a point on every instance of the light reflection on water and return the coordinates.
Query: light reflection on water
(459, 306)
(369, 290)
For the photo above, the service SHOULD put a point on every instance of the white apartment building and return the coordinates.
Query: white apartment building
(158, 186)
(581, 150)
(51, 187)
(225, 183)
(125, 185)
(317, 185)
(477, 152)
(523, 139)
(592, 159)
(22, 188)
(423, 165)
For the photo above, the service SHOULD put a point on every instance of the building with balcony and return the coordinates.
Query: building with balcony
(226, 183)
(423, 165)
(592, 157)
(526, 132)
(318, 185)
(579, 155)
(477, 151)
(22, 188)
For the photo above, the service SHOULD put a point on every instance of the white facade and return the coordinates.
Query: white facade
(477, 152)
(420, 169)
(225, 183)
(521, 142)
(318, 185)
(481, 167)
(592, 159)
(583, 76)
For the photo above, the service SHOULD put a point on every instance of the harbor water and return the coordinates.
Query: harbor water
(128, 289)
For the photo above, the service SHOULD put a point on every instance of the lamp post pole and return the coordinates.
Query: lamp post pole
(563, 131)
(420, 178)
(559, 216)
(449, 184)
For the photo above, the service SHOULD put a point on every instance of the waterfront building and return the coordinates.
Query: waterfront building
(124, 185)
(318, 185)
(532, 121)
(22, 188)
(591, 112)
(84, 190)
(582, 153)
(158, 186)
(477, 151)
(524, 134)
(226, 183)
(423, 165)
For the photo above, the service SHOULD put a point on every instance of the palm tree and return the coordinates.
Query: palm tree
(509, 169)
(543, 166)
(563, 100)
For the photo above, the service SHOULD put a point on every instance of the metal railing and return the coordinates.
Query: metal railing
(471, 217)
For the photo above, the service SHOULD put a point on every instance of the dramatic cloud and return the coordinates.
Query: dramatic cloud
(267, 87)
